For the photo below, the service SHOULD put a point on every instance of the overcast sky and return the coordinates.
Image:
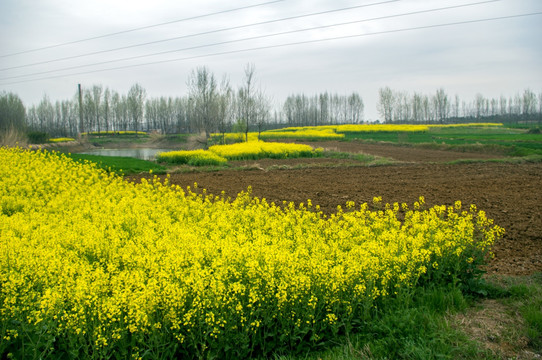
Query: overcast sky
(386, 43)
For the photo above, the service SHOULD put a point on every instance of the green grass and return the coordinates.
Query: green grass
(505, 140)
(120, 164)
(418, 326)
(411, 327)
(526, 299)
(365, 158)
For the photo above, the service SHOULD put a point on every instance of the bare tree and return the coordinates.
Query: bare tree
(479, 102)
(89, 110)
(494, 106)
(116, 111)
(96, 100)
(151, 113)
(246, 98)
(529, 102)
(502, 105)
(289, 109)
(323, 101)
(225, 107)
(417, 107)
(203, 95)
(356, 106)
(135, 104)
(12, 112)
(45, 113)
(385, 103)
(442, 105)
(262, 111)
(456, 107)
(106, 108)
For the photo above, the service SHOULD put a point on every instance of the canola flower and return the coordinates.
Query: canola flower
(338, 131)
(191, 157)
(303, 133)
(261, 149)
(381, 128)
(94, 266)
(220, 154)
(61, 139)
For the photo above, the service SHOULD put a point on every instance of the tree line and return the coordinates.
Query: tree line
(323, 109)
(214, 105)
(211, 105)
(404, 107)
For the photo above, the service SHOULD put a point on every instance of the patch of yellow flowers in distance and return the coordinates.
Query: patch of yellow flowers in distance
(61, 139)
(252, 150)
(337, 132)
(93, 264)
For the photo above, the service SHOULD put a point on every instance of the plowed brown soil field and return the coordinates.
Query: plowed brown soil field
(511, 194)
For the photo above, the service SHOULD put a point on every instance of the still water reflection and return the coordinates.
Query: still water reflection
(139, 153)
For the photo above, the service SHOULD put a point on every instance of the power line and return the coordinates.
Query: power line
(250, 38)
(140, 28)
(205, 33)
(283, 45)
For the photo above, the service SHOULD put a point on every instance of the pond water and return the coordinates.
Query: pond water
(139, 153)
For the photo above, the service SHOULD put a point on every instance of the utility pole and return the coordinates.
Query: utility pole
(81, 130)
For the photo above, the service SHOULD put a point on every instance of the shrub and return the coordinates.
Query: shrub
(37, 137)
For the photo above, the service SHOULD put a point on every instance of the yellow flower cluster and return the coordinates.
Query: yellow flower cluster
(338, 131)
(191, 157)
(97, 265)
(380, 128)
(62, 139)
(313, 133)
(220, 154)
(261, 149)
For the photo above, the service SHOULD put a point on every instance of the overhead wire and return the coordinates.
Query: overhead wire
(140, 28)
(284, 45)
(206, 33)
(250, 38)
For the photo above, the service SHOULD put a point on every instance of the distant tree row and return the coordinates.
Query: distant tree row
(322, 109)
(402, 106)
(208, 107)
(215, 106)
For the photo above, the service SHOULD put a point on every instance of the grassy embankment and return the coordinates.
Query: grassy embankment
(510, 142)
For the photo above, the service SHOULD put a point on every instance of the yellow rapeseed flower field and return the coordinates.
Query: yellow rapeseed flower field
(92, 265)
(338, 131)
(315, 133)
(191, 157)
(261, 149)
(61, 139)
(220, 154)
